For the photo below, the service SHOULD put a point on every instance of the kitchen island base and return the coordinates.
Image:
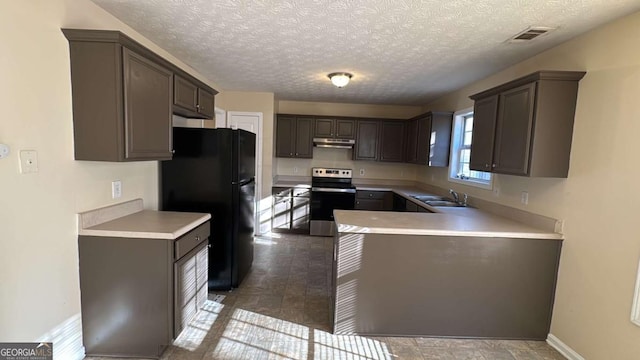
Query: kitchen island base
(443, 286)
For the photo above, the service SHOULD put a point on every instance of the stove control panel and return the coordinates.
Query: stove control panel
(327, 172)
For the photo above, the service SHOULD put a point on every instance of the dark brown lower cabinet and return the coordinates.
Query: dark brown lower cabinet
(291, 209)
(374, 200)
(190, 290)
(138, 294)
(444, 286)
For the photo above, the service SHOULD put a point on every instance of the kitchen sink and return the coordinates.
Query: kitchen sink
(447, 203)
(424, 198)
(435, 200)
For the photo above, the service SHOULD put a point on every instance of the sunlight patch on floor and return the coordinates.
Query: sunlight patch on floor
(192, 336)
(251, 335)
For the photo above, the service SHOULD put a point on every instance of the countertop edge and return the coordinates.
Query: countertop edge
(343, 229)
(145, 234)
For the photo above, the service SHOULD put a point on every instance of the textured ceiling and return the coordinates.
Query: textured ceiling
(400, 51)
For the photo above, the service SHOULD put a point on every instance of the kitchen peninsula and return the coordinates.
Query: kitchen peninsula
(457, 272)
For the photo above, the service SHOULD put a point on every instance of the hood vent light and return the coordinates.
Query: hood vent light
(531, 33)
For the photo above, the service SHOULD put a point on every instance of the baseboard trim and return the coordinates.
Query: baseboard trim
(563, 348)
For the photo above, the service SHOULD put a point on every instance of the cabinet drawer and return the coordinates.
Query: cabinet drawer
(363, 194)
(369, 204)
(190, 240)
(302, 192)
(281, 191)
(281, 205)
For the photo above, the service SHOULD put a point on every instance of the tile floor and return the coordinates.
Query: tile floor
(281, 311)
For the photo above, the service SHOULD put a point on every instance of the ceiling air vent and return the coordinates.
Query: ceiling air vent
(531, 33)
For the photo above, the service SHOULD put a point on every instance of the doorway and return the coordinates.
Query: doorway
(252, 121)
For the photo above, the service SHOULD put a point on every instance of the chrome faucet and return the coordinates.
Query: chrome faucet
(456, 198)
(455, 195)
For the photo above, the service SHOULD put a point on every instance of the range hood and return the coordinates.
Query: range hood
(334, 143)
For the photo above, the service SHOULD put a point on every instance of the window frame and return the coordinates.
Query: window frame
(635, 308)
(457, 139)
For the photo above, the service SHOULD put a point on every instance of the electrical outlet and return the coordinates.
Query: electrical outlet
(295, 169)
(496, 191)
(524, 197)
(4, 150)
(28, 161)
(361, 172)
(116, 189)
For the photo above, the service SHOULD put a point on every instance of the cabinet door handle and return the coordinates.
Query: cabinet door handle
(494, 165)
(173, 151)
(370, 195)
(296, 154)
(197, 238)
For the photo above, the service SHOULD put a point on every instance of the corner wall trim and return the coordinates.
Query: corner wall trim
(563, 348)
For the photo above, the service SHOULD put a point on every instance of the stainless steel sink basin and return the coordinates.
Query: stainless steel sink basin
(435, 200)
(424, 198)
(437, 203)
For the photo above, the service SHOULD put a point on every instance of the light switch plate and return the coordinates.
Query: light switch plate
(28, 161)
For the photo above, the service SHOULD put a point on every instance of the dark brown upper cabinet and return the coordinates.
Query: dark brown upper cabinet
(485, 113)
(123, 96)
(191, 100)
(338, 128)
(121, 99)
(411, 155)
(429, 139)
(294, 136)
(532, 121)
(367, 133)
(392, 141)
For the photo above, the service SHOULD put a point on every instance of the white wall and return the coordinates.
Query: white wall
(599, 199)
(39, 287)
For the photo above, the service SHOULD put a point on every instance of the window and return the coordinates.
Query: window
(635, 311)
(459, 170)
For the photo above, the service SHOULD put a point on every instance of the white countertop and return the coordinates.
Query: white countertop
(448, 222)
(444, 221)
(128, 219)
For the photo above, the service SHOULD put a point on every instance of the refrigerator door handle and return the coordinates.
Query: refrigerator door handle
(244, 182)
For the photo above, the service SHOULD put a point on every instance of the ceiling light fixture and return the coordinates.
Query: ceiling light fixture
(340, 79)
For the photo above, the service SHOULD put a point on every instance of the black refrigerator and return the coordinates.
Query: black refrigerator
(213, 171)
